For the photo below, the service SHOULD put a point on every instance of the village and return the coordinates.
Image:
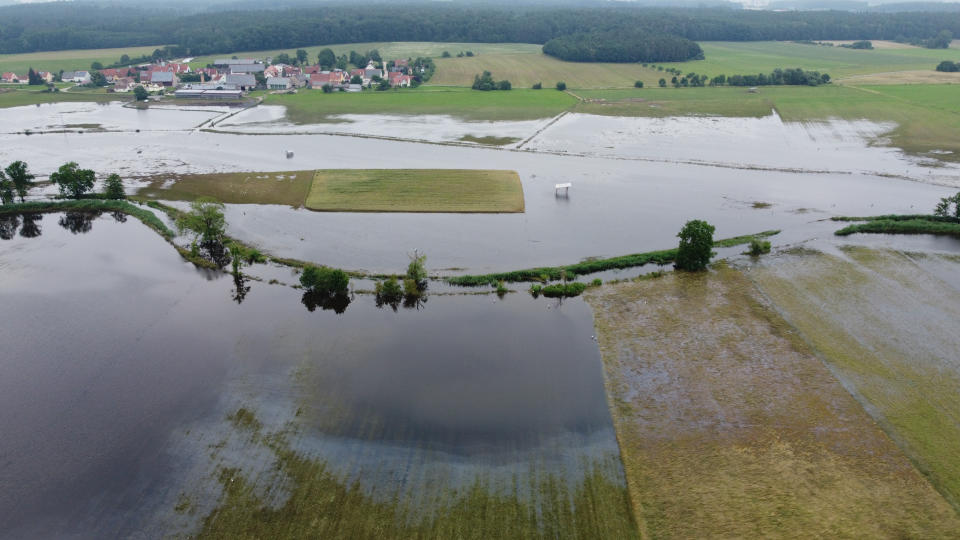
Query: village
(232, 78)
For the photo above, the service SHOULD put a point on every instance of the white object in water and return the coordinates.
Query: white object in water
(564, 186)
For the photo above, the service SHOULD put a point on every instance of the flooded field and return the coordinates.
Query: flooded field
(141, 397)
(618, 204)
(731, 426)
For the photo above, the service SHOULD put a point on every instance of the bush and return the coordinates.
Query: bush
(597, 282)
(537, 86)
(696, 246)
(501, 289)
(324, 280)
(388, 290)
(417, 269)
(759, 247)
(535, 290)
(948, 66)
(561, 86)
(638, 84)
(504, 85)
(560, 290)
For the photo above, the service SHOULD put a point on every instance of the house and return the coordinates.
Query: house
(111, 75)
(162, 78)
(247, 68)
(290, 71)
(124, 84)
(310, 70)
(241, 81)
(275, 70)
(400, 80)
(46, 76)
(370, 72)
(401, 63)
(10, 77)
(79, 77)
(333, 78)
(278, 83)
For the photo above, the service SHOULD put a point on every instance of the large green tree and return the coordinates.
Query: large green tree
(72, 180)
(205, 220)
(113, 188)
(696, 246)
(6, 189)
(327, 59)
(22, 180)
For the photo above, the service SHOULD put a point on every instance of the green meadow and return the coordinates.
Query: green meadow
(68, 60)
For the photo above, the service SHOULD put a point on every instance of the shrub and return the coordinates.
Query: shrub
(537, 86)
(948, 66)
(561, 290)
(501, 289)
(324, 280)
(759, 247)
(638, 84)
(696, 245)
(417, 270)
(535, 290)
(597, 282)
(561, 86)
(388, 290)
(504, 85)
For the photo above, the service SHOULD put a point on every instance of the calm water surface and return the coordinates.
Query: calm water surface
(122, 364)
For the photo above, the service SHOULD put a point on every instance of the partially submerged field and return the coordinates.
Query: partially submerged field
(416, 190)
(310, 107)
(731, 426)
(887, 325)
(32, 95)
(352, 190)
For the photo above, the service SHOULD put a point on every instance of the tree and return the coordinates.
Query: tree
(446, 54)
(324, 280)
(6, 189)
(948, 207)
(638, 84)
(696, 246)
(140, 93)
(20, 177)
(342, 62)
(33, 78)
(96, 66)
(326, 58)
(206, 221)
(375, 55)
(663, 83)
(504, 85)
(356, 79)
(124, 59)
(113, 188)
(384, 84)
(537, 86)
(417, 269)
(327, 88)
(948, 66)
(72, 180)
(561, 86)
(302, 56)
(97, 79)
(484, 82)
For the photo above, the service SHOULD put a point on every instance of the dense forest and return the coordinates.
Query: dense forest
(623, 46)
(72, 25)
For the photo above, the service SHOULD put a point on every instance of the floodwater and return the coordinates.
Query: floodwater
(622, 200)
(122, 364)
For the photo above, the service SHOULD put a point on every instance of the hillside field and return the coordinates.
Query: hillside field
(68, 60)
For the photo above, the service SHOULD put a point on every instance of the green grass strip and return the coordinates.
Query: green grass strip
(92, 205)
(597, 265)
(903, 226)
(900, 217)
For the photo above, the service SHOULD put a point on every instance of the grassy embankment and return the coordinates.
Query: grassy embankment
(597, 265)
(309, 107)
(886, 324)
(32, 95)
(352, 190)
(91, 205)
(72, 60)
(901, 224)
(317, 503)
(730, 426)
(416, 190)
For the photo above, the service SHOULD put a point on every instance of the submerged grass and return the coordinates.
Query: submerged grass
(888, 328)
(92, 205)
(729, 426)
(596, 265)
(902, 224)
(319, 503)
(289, 188)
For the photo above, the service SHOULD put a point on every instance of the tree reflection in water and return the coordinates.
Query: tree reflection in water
(8, 226)
(119, 216)
(78, 222)
(336, 302)
(30, 228)
(240, 288)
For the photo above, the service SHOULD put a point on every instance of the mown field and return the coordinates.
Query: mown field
(887, 324)
(289, 188)
(415, 190)
(523, 70)
(68, 60)
(310, 107)
(731, 427)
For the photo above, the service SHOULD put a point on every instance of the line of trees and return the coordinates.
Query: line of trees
(948, 66)
(71, 25)
(485, 82)
(623, 46)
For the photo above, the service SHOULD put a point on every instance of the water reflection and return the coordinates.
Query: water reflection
(240, 288)
(30, 228)
(78, 222)
(119, 216)
(334, 302)
(8, 226)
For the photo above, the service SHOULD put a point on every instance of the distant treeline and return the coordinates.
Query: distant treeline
(73, 25)
(620, 46)
(778, 77)
(948, 66)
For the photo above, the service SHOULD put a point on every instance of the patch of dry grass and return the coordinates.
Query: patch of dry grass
(288, 188)
(729, 426)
